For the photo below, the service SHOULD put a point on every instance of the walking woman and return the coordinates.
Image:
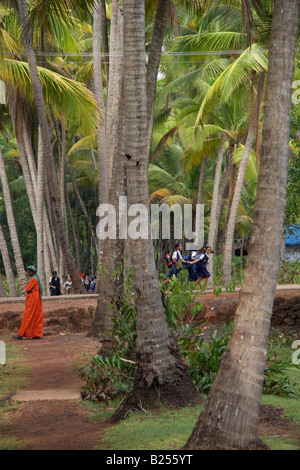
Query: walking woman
(32, 322)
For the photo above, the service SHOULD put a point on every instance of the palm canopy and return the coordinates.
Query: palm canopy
(72, 98)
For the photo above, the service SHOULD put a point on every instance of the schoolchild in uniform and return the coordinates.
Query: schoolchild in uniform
(54, 284)
(190, 266)
(177, 261)
(201, 269)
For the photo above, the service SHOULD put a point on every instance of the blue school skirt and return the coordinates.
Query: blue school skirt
(202, 270)
(174, 271)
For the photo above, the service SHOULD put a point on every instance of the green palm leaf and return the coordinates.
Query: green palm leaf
(71, 97)
(253, 59)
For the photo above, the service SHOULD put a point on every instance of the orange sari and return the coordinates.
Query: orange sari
(32, 322)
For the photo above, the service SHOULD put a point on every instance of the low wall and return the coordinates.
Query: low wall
(286, 309)
(73, 314)
(76, 313)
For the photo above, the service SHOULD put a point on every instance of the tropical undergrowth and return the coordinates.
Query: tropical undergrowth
(201, 347)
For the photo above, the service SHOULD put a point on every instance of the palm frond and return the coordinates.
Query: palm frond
(85, 142)
(253, 59)
(210, 41)
(251, 175)
(71, 97)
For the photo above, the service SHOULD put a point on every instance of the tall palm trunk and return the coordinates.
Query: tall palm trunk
(12, 226)
(2, 288)
(159, 372)
(98, 91)
(234, 206)
(30, 175)
(30, 178)
(162, 13)
(109, 288)
(101, 137)
(214, 208)
(62, 184)
(47, 148)
(40, 191)
(239, 184)
(7, 266)
(229, 419)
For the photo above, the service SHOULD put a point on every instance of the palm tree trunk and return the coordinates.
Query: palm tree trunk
(98, 91)
(40, 191)
(47, 147)
(101, 135)
(62, 184)
(162, 13)
(110, 288)
(75, 238)
(7, 266)
(104, 38)
(30, 179)
(2, 287)
(214, 208)
(229, 419)
(234, 206)
(12, 226)
(115, 91)
(28, 165)
(160, 375)
(239, 183)
(201, 181)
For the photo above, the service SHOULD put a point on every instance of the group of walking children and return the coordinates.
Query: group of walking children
(196, 264)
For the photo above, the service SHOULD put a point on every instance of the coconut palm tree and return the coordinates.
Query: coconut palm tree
(229, 419)
(12, 226)
(159, 371)
(7, 266)
(47, 147)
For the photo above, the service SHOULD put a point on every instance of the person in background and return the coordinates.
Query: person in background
(93, 284)
(177, 261)
(54, 284)
(87, 282)
(32, 321)
(67, 285)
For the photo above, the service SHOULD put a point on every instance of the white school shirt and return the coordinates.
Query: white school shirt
(174, 256)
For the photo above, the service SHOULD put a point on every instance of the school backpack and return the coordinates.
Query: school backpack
(168, 260)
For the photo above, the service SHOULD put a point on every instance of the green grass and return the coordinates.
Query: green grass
(13, 376)
(169, 430)
(291, 409)
(162, 430)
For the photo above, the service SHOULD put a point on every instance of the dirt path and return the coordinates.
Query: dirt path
(50, 416)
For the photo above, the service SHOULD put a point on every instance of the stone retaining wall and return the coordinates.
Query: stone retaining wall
(76, 315)
(58, 316)
(286, 311)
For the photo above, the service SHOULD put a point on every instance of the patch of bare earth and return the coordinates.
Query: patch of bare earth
(44, 423)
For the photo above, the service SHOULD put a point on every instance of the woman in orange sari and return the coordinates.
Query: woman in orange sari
(32, 322)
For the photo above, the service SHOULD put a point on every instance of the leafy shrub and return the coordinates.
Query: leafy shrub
(277, 381)
(237, 272)
(201, 350)
(289, 272)
(108, 377)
